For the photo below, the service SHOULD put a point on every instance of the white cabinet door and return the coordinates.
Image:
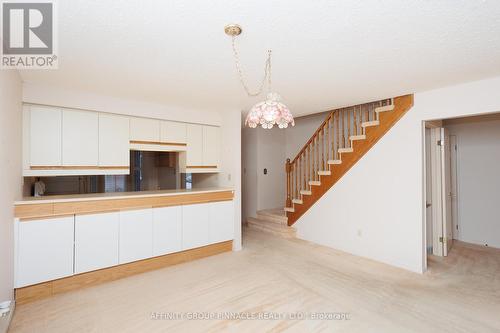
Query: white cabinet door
(211, 146)
(136, 235)
(96, 241)
(144, 129)
(114, 136)
(45, 136)
(167, 230)
(173, 132)
(221, 221)
(80, 138)
(45, 250)
(194, 154)
(195, 225)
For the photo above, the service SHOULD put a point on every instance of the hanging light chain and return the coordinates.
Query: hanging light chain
(267, 71)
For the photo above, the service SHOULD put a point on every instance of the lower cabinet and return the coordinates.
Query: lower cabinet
(136, 235)
(221, 222)
(167, 230)
(96, 241)
(195, 225)
(49, 249)
(44, 250)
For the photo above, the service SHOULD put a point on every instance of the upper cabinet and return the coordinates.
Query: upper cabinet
(80, 138)
(173, 132)
(114, 139)
(45, 136)
(194, 155)
(62, 141)
(144, 129)
(211, 146)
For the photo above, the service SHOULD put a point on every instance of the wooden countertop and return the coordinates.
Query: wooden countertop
(59, 205)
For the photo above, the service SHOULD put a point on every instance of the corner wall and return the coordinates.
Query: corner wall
(376, 209)
(10, 173)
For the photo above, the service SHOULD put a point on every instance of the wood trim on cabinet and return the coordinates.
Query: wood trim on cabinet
(201, 166)
(100, 206)
(157, 143)
(47, 289)
(77, 167)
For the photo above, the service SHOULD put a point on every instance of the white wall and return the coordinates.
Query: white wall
(58, 96)
(271, 156)
(376, 209)
(478, 178)
(10, 173)
(269, 149)
(298, 135)
(228, 120)
(249, 172)
(263, 149)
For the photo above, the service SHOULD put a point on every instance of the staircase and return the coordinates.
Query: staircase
(272, 221)
(340, 141)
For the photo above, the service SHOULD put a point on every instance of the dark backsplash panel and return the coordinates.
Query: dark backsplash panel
(148, 171)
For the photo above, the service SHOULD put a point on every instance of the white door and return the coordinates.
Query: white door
(194, 154)
(221, 221)
(454, 185)
(44, 250)
(173, 132)
(80, 138)
(446, 191)
(436, 189)
(114, 139)
(96, 241)
(195, 225)
(167, 230)
(441, 192)
(136, 235)
(144, 129)
(45, 136)
(211, 146)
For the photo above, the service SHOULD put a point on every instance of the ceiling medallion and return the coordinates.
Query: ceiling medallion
(271, 111)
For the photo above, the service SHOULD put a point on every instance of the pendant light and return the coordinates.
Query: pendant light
(271, 111)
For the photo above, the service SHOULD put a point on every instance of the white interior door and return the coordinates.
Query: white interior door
(446, 191)
(436, 186)
(454, 185)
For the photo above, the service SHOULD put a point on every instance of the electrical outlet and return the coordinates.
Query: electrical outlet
(360, 233)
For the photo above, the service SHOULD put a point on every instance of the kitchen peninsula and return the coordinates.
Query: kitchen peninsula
(69, 242)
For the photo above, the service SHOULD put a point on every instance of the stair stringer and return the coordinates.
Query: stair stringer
(360, 147)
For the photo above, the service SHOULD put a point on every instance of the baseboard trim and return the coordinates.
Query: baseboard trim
(47, 289)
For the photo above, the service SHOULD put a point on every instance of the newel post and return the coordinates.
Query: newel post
(288, 169)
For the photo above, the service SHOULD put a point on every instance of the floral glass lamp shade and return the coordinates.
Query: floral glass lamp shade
(269, 113)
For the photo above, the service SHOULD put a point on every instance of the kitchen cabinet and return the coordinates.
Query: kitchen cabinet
(195, 225)
(211, 146)
(114, 136)
(144, 129)
(96, 241)
(167, 230)
(44, 250)
(45, 136)
(221, 221)
(136, 235)
(173, 132)
(80, 138)
(194, 155)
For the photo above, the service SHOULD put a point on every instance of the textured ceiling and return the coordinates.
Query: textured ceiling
(326, 54)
